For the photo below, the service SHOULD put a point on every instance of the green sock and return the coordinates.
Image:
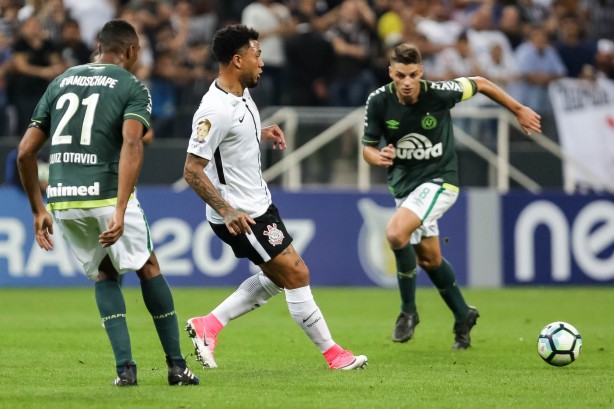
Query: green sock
(444, 279)
(406, 276)
(112, 308)
(159, 301)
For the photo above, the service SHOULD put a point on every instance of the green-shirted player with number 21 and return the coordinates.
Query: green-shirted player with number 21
(96, 116)
(412, 116)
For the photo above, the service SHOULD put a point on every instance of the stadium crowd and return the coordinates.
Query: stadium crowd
(316, 52)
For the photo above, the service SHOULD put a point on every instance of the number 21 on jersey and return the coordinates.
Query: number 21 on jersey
(73, 106)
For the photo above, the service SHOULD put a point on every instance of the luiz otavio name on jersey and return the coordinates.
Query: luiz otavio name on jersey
(94, 81)
(73, 157)
(62, 191)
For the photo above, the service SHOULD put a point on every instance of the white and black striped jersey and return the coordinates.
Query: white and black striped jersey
(226, 131)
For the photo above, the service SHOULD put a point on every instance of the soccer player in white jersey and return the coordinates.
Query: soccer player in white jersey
(223, 168)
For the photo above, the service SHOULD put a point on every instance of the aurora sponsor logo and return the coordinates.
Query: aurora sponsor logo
(69, 191)
(416, 146)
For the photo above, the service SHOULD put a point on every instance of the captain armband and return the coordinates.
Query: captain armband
(469, 87)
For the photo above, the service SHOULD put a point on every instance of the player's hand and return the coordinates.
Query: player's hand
(115, 230)
(43, 228)
(276, 135)
(238, 222)
(386, 156)
(529, 120)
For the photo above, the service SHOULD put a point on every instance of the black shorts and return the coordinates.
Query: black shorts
(269, 237)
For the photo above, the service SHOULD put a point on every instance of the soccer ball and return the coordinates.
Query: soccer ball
(559, 343)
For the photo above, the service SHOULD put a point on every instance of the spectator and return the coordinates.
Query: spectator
(600, 15)
(538, 65)
(460, 61)
(604, 59)
(438, 27)
(91, 15)
(5, 65)
(36, 63)
(53, 15)
(483, 35)
(577, 54)
(9, 24)
(391, 23)
(309, 57)
(164, 92)
(511, 25)
(319, 18)
(352, 79)
(274, 23)
(71, 48)
(144, 65)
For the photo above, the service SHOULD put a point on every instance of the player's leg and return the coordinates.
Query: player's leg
(289, 270)
(442, 275)
(398, 231)
(112, 309)
(82, 234)
(134, 252)
(254, 292)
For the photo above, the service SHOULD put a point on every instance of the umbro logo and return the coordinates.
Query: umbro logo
(392, 124)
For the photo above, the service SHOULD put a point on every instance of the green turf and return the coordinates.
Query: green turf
(55, 354)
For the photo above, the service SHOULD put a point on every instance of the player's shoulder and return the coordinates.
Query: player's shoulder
(381, 95)
(216, 103)
(444, 86)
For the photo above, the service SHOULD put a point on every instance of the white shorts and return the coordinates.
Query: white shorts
(81, 228)
(429, 202)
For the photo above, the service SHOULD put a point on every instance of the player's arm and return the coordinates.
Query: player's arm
(194, 174)
(528, 119)
(382, 158)
(30, 144)
(276, 135)
(372, 134)
(130, 162)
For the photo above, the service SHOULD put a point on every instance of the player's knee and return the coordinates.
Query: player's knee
(395, 238)
(429, 263)
(298, 276)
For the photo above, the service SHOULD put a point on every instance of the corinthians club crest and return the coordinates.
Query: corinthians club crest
(376, 257)
(275, 235)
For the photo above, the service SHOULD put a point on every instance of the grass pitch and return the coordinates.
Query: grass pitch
(54, 353)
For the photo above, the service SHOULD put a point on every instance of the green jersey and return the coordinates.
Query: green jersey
(83, 110)
(421, 133)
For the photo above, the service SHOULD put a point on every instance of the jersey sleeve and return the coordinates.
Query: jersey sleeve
(451, 92)
(209, 128)
(373, 130)
(41, 118)
(139, 105)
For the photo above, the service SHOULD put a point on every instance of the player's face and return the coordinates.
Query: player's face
(252, 64)
(406, 78)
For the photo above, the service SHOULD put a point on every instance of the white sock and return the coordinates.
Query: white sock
(308, 316)
(251, 294)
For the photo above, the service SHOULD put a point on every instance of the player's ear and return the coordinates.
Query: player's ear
(236, 61)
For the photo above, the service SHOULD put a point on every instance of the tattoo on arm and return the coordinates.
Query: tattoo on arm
(205, 189)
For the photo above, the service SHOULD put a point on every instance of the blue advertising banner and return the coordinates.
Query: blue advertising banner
(340, 235)
(558, 239)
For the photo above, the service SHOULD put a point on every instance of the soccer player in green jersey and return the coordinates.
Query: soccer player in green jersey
(95, 116)
(412, 116)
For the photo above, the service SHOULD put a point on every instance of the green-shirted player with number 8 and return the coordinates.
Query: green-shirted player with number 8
(96, 116)
(412, 116)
